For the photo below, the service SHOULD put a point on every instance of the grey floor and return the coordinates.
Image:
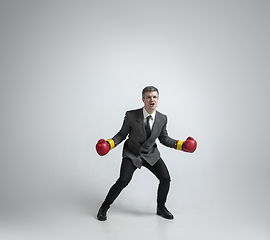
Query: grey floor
(76, 219)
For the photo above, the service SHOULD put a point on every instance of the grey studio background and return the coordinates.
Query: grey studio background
(70, 70)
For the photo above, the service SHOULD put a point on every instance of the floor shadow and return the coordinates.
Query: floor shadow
(132, 211)
(90, 204)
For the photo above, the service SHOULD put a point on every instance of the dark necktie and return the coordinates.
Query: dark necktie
(147, 127)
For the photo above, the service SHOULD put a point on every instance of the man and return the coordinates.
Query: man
(143, 126)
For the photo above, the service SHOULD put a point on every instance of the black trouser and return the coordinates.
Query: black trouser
(126, 172)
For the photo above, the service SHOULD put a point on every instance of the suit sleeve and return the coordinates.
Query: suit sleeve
(124, 131)
(164, 137)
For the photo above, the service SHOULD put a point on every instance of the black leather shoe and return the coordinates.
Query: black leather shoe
(102, 214)
(164, 212)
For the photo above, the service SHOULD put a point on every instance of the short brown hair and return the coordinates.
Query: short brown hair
(149, 89)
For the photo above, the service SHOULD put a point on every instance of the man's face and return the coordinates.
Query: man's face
(150, 101)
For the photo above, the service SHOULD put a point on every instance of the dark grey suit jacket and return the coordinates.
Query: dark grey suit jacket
(137, 146)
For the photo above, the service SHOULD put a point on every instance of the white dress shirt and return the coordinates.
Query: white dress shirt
(152, 118)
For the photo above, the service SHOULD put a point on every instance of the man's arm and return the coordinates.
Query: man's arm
(103, 147)
(189, 145)
(124, 131)
(164, 137)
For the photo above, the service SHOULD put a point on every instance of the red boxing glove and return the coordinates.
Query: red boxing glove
(102, 147)
(189, 145)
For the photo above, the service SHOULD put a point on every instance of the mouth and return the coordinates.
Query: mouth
(152, 104)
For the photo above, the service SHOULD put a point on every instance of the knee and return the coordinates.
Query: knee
(123, 182)
(165, 179)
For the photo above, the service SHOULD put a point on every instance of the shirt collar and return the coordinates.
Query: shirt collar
(146, 114)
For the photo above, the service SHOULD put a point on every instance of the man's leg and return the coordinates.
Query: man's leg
(126, 172)
(160, 170)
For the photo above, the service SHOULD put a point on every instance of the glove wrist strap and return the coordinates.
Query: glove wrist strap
(111, 143)
(179, 145)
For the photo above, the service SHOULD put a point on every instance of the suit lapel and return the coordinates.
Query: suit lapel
(140, 126)
(156, 124)
(155, 127)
